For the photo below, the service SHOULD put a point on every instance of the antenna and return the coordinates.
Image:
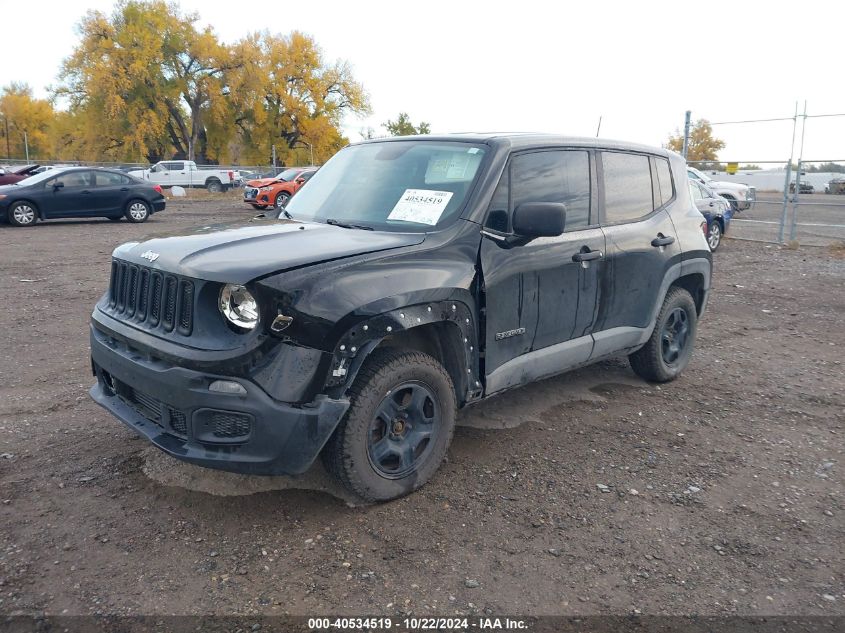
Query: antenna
(598, 129)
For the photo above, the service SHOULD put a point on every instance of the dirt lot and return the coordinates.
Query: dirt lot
(724, 489)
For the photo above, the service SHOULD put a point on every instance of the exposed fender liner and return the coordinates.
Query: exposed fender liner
(358, 342)
(704, 267)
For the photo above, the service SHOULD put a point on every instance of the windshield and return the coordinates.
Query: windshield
(391, 186)
(702, 176)
(288, 174)
(44, 175)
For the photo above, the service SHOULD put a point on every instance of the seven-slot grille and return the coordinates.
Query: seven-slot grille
(157, 299)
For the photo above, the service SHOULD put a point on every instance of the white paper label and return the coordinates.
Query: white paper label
(421, 205)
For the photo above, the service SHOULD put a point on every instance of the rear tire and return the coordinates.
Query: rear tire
(137, 211)
(214, 186)
(22, 214)
(398, 427)
(714, 235)
(670, 346)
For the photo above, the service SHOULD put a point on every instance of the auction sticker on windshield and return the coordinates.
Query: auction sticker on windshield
(422, 206)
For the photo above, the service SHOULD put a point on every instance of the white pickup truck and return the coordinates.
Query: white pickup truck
(185, 174)
(740, 196)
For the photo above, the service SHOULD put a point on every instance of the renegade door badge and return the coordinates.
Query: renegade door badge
(509, 333)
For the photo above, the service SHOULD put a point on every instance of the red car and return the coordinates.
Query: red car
(10, 177)
(275, 192)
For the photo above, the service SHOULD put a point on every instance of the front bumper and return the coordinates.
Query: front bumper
(172, 407)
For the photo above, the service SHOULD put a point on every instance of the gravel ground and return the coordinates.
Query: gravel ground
(590, 493)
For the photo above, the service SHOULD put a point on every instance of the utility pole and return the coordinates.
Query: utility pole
(687, 118)
(26, 146)
(274, 162)
(6, 119)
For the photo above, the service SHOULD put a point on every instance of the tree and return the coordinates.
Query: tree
(29, 121)
(146, 79)
(287, 95)
(703, 146)
(749, 167)
(403, 126)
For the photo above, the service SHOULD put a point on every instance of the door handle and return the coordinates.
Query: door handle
(662, 240)
(124, 188)
(585, 256)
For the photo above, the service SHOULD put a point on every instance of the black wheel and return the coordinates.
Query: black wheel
(670, 346)
(22, 214)
(214, 186)
(714, 234)
(398, 427)
(282, 199)
(137, 211)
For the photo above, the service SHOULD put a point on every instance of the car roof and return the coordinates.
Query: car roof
(526, 140)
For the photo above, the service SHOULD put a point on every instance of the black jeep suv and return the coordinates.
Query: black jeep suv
(412, 277)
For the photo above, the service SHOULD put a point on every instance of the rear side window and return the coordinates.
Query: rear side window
(106, 179)
(554, 176)
(628, 193)
(664, 178)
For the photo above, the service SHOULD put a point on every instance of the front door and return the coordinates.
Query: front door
(540, 296)
(641, 247)
(66, 195)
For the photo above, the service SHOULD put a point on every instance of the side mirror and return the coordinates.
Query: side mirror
(58, 185)
(539, 219)
(300, 181)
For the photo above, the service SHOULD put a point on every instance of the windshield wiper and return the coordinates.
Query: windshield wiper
(345, 225)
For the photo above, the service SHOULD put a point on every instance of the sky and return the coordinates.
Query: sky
(538, 66)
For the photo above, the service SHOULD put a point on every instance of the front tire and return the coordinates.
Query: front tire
(714, 235)
(282, 199)
(669, 349)
(137, 211)
(397, 429)
(22, 214)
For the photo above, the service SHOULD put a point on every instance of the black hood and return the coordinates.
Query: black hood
(243, 252)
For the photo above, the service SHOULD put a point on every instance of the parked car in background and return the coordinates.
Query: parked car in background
(740, 196)
(79, 192)
(43, 168)
(16, 174)
(715, 209)
(804, 187)
(836, 186)
(185, 173)
(275, 192)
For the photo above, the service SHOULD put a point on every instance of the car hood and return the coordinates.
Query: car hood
(724, 184)
(238, 253)
(261, 182)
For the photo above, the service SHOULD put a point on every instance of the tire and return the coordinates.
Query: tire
(281, 199)
(665, 355)
(22, 214)
(377, 458)
(137, 211)
(213, 185)
(714, 235)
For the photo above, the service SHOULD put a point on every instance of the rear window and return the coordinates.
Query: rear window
(628, 192)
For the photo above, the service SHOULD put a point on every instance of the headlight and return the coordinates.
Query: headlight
(267, 188)
(239, 306)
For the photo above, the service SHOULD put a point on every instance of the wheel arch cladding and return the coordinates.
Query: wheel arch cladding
(446, 330)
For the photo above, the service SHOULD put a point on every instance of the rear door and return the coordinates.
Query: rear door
(541, 295)
(110, 191)
(641, 246)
